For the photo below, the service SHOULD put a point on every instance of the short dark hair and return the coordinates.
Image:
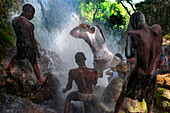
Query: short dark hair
(137, 17)
(119, 55)
(80, 56)
(28, 8)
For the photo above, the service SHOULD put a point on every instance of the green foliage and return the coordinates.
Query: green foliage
(167, 37)
(104, 12)
(156, 12)
(6, 31)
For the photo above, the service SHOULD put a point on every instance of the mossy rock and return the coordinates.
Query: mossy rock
(162, 99)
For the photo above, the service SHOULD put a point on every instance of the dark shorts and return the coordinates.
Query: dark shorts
(27, 52)
(139, 87)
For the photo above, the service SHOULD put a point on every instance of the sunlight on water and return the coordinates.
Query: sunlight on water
(53, 21)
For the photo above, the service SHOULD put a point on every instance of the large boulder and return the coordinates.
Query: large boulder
(11, 104)
(113, 89)
(162, 93)
(21, 81)
(98, 106)
(49, 61)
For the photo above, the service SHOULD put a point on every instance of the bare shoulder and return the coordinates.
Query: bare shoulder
(135, 33)
(93, 69)
(156, 29)
(156, 26)
(72, 71)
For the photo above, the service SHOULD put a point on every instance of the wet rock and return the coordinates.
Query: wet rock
(49, 61)
(163, 99)
(47, 90)
(113, 89)
(98, 106)
(10, 104)
(21, 81)
(162, 93)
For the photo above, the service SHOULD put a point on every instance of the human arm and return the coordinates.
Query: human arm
(129, 50)
(95, 78)
(163, 66)
(74, 32)
(70, 81)
(34, 41)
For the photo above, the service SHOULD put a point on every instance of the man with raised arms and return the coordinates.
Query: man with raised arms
(94, 37)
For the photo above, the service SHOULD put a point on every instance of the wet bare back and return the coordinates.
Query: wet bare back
(84, 78)
(147, 45)
(24, 31)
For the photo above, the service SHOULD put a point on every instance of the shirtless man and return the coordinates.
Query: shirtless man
(84, 78)
(144, 43)
(94, 37)
(26, 42)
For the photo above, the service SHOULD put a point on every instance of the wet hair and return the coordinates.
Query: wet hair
(136, 20)
(119, 55)
(80, 57)
(137, 17)
(28, 8)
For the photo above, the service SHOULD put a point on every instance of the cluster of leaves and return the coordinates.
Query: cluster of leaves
(167, 37)
(6, 31)
(156, 12)
(103, 12)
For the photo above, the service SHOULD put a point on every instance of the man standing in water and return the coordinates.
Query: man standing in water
(94, 37)
(144, 43)
(26, 42)
(84, 78)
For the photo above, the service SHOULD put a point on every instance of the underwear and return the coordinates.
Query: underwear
(85, 97)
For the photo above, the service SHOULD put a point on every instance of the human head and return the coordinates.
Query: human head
(28, 11)
(119, 55)
(80, 58)
(85, 27)
(137, 20)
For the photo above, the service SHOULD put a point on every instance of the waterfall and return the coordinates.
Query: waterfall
(53, 21)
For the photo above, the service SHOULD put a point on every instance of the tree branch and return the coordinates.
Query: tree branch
(131, 5)
(125, 8)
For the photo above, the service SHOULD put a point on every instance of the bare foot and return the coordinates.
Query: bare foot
(42, 80)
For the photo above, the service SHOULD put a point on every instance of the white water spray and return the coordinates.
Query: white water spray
(53, 21)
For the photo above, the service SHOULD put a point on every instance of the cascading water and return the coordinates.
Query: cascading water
(53, 21)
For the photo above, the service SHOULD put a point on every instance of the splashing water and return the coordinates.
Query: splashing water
(53, 21)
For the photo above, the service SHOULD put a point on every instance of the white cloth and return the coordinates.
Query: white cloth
(103, 58)
(115, 74)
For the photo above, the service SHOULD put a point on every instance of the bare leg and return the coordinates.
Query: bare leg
(149, 107)
(86, 106)
(37, 73)
(119, 103)
(10, 65)
(71, 96)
